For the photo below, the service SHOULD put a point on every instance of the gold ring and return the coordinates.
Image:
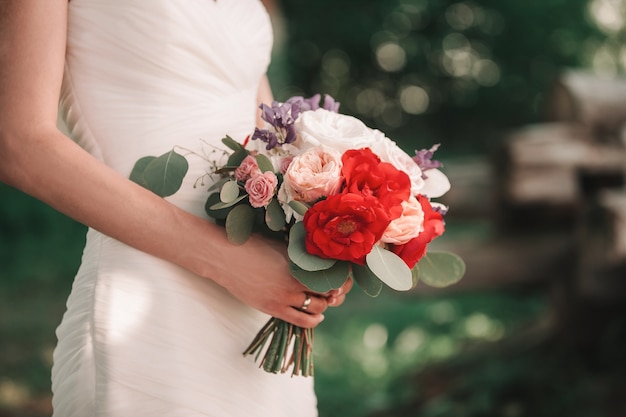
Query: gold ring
(307, 302)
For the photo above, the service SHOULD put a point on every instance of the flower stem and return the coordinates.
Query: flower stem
(281, 338)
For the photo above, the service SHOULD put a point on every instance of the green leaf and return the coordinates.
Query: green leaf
(298, 207)
(324, 280)
(390, 269)
(275, 216)
(218, 185)
(221, 205)
(298, 254)
(136, 175)
(235, 159)
(239, 224)
(415, 274)
(164, 175)
(440, 269)
(367, 280)
(264, 163)
(229, 191)
(212, 200)
(232, 143)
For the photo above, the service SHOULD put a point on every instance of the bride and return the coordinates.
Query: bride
(162, 305)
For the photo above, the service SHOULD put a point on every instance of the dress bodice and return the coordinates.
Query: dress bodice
(147, 75)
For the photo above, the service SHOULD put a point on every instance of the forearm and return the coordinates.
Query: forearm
(49, 166)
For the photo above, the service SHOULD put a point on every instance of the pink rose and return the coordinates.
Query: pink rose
(284, 164)
(409, 225)
(247, 169)
(314, 174)
(261, 188)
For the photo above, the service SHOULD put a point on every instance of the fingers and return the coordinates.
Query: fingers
(313, 304)
(301, 318)
(337, 297)
(306, 311)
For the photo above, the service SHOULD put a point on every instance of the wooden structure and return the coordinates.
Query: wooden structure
(572, 169)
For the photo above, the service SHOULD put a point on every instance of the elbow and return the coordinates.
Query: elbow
(19, 148)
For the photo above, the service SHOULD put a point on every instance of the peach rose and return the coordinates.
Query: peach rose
(261, 188)
(407, 226)
(314, 174)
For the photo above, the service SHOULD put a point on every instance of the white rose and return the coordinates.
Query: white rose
(338, 131)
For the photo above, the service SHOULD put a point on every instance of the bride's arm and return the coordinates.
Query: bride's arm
(39, 160)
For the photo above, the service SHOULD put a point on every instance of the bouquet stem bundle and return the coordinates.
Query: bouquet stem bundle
(281, 335)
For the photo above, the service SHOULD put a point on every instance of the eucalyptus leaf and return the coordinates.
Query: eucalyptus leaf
(218, 185)
(229, 191)
(323, 280)
(367, 280)
(264, 163)
(236, 158)
(215, 213)
(415, 274)
(239, 224)
(390, 269)
(298, 254)
(298, 207)
(232, 143)
(221, 205)
(440, 269)
(136, 175)
(164, 174)
(275, 216)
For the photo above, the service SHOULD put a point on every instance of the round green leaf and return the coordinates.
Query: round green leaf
(232, 143)
(221, 205)
(275, 216)
(239, 224)
(164, 174)
(235, 159)
(415, 274)
(390, 269)
(264, 163)
(215, 213)
(440, 269)
(136, 174)
(298, 207)
(298, 254)
(324, 280)
(218, 185)
(229, 191)
(367, 280)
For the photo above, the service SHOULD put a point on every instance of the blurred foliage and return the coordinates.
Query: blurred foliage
(451, 71)
(38, 245)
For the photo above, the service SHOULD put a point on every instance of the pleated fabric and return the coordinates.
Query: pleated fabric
(141, 336)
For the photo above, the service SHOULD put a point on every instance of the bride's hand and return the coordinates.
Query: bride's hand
(258, 274)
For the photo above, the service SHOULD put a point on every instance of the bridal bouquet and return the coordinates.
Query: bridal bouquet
(347, 200)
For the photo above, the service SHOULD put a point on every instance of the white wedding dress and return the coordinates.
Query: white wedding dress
(143, 337)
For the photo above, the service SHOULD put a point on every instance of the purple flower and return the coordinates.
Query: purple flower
(282, 116)
(424, 160)
(265, 136)
(441, 209)
(330, 104)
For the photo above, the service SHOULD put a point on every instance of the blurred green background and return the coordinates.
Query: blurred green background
(517, 337)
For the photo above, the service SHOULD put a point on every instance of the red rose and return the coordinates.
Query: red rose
(412, 251)
(345, 227)
(366, 174)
